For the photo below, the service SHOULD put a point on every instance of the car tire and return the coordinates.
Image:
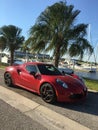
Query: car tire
(8, 79)
(48, 93)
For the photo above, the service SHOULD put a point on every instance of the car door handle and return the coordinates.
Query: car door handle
(18, 71)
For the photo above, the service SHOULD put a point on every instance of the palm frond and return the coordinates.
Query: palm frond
(56, 30)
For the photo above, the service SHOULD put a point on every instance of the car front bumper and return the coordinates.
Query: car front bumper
(72, 95)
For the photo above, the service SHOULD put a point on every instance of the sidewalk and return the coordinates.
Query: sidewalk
(13, 119)
(40, 114)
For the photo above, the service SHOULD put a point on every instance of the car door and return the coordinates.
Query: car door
(27, 79)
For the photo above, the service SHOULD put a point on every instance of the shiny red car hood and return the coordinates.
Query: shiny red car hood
(69, 80)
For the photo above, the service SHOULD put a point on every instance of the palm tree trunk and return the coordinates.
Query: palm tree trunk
(57, 56)
(12, 57)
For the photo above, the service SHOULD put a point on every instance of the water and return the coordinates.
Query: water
(88, 75)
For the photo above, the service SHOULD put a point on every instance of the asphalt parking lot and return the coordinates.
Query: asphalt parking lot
(85, 113)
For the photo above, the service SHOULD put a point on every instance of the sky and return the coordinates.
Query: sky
(23, 13)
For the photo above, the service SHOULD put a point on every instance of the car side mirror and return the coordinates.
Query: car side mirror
(63, 72)
(32, 73)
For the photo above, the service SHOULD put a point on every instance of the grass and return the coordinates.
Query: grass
(91, 84)
(3, 65)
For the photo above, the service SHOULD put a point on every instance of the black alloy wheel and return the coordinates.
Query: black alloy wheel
(8, 79)
(48, 93)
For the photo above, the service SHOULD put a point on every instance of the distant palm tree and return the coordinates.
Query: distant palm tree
(56, 30)
(11, 39)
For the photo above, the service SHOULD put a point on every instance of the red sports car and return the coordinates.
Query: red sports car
(47, 81)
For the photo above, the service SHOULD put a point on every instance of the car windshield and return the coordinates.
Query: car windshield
(48, 70)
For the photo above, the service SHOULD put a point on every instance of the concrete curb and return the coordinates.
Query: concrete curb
(48, 118)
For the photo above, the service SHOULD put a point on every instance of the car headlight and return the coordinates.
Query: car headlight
(61, 83)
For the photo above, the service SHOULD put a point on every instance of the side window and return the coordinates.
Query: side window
(31, 68)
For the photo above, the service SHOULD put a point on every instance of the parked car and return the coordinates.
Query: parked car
(47, 81)
(18, 62)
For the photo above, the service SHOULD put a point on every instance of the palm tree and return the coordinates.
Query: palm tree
(11, 39)
(56, 30)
